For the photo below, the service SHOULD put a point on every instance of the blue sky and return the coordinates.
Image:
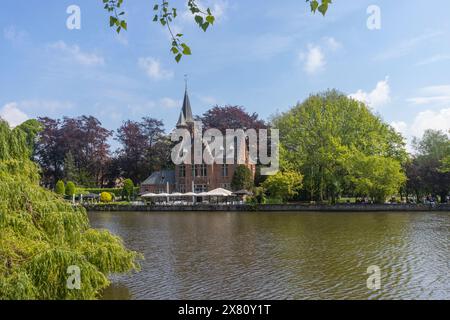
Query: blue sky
(262, 55)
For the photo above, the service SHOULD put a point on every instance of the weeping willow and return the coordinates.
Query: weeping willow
(41, 235)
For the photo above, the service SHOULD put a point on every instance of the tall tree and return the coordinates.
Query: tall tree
(42, 235)
(83, 139)
(144, 148)
(50, 151)
(320, 134)
(426, 172)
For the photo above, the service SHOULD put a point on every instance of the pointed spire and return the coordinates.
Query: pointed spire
(186, 112)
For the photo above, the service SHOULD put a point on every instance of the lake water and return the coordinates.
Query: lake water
(282, 255)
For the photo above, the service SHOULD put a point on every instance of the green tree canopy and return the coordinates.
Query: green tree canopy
(429, 171)
(70, 188)
(374, 176)
(60, 188)
(283, 185)
(319, 135)
(128, 189)
(42, 235)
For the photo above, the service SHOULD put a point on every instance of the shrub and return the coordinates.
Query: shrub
(115, 191)
(128, 189)
(106, 197)
(60, 188)
(70, 189)
(283, 185)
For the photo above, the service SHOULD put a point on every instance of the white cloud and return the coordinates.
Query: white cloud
(73, 52)
(153, 68)
(426, 120)
(400, 127)
(436, 120)
(170, 103)
(432, 95)
(314, 59)
(434, 59)
(377, 98)
(12, 114)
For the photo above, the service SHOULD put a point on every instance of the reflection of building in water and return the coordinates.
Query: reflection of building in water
(193, 178)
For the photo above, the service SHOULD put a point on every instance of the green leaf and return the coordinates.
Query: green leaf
(199, 20)
(323, 8)
(210, 19)
(178, 57)
(112, 21)
(205, 26)
(186, 49)
(124, 25)
(314, 5)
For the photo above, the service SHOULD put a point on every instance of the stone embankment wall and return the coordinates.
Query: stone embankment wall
(273, 208)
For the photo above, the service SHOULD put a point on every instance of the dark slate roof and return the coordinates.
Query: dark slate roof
(160, 178)
(186, 112)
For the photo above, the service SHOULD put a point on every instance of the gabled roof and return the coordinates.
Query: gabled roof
(160, 178)
(186, 112)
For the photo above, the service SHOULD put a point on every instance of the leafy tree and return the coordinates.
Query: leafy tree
(70, 188)
(375, 176)
(70, 170)
(165, 14)
(446, 165)
(283, 185)
(128, 189)
(84, 138)
(50, 151)
(144, 148)
(242, 179)
(427, 174)
(60, 188)
(42, 235)
(87, 140)
(319, 135)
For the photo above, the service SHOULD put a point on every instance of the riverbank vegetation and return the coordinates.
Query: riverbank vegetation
(42, 235)
(341, 148)
(337, 145)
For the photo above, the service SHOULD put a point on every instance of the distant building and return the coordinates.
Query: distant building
(192, 178)
(158, 181)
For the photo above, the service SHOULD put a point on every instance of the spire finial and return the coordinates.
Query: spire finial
(186, 81)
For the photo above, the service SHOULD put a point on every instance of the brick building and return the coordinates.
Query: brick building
(193, 178)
